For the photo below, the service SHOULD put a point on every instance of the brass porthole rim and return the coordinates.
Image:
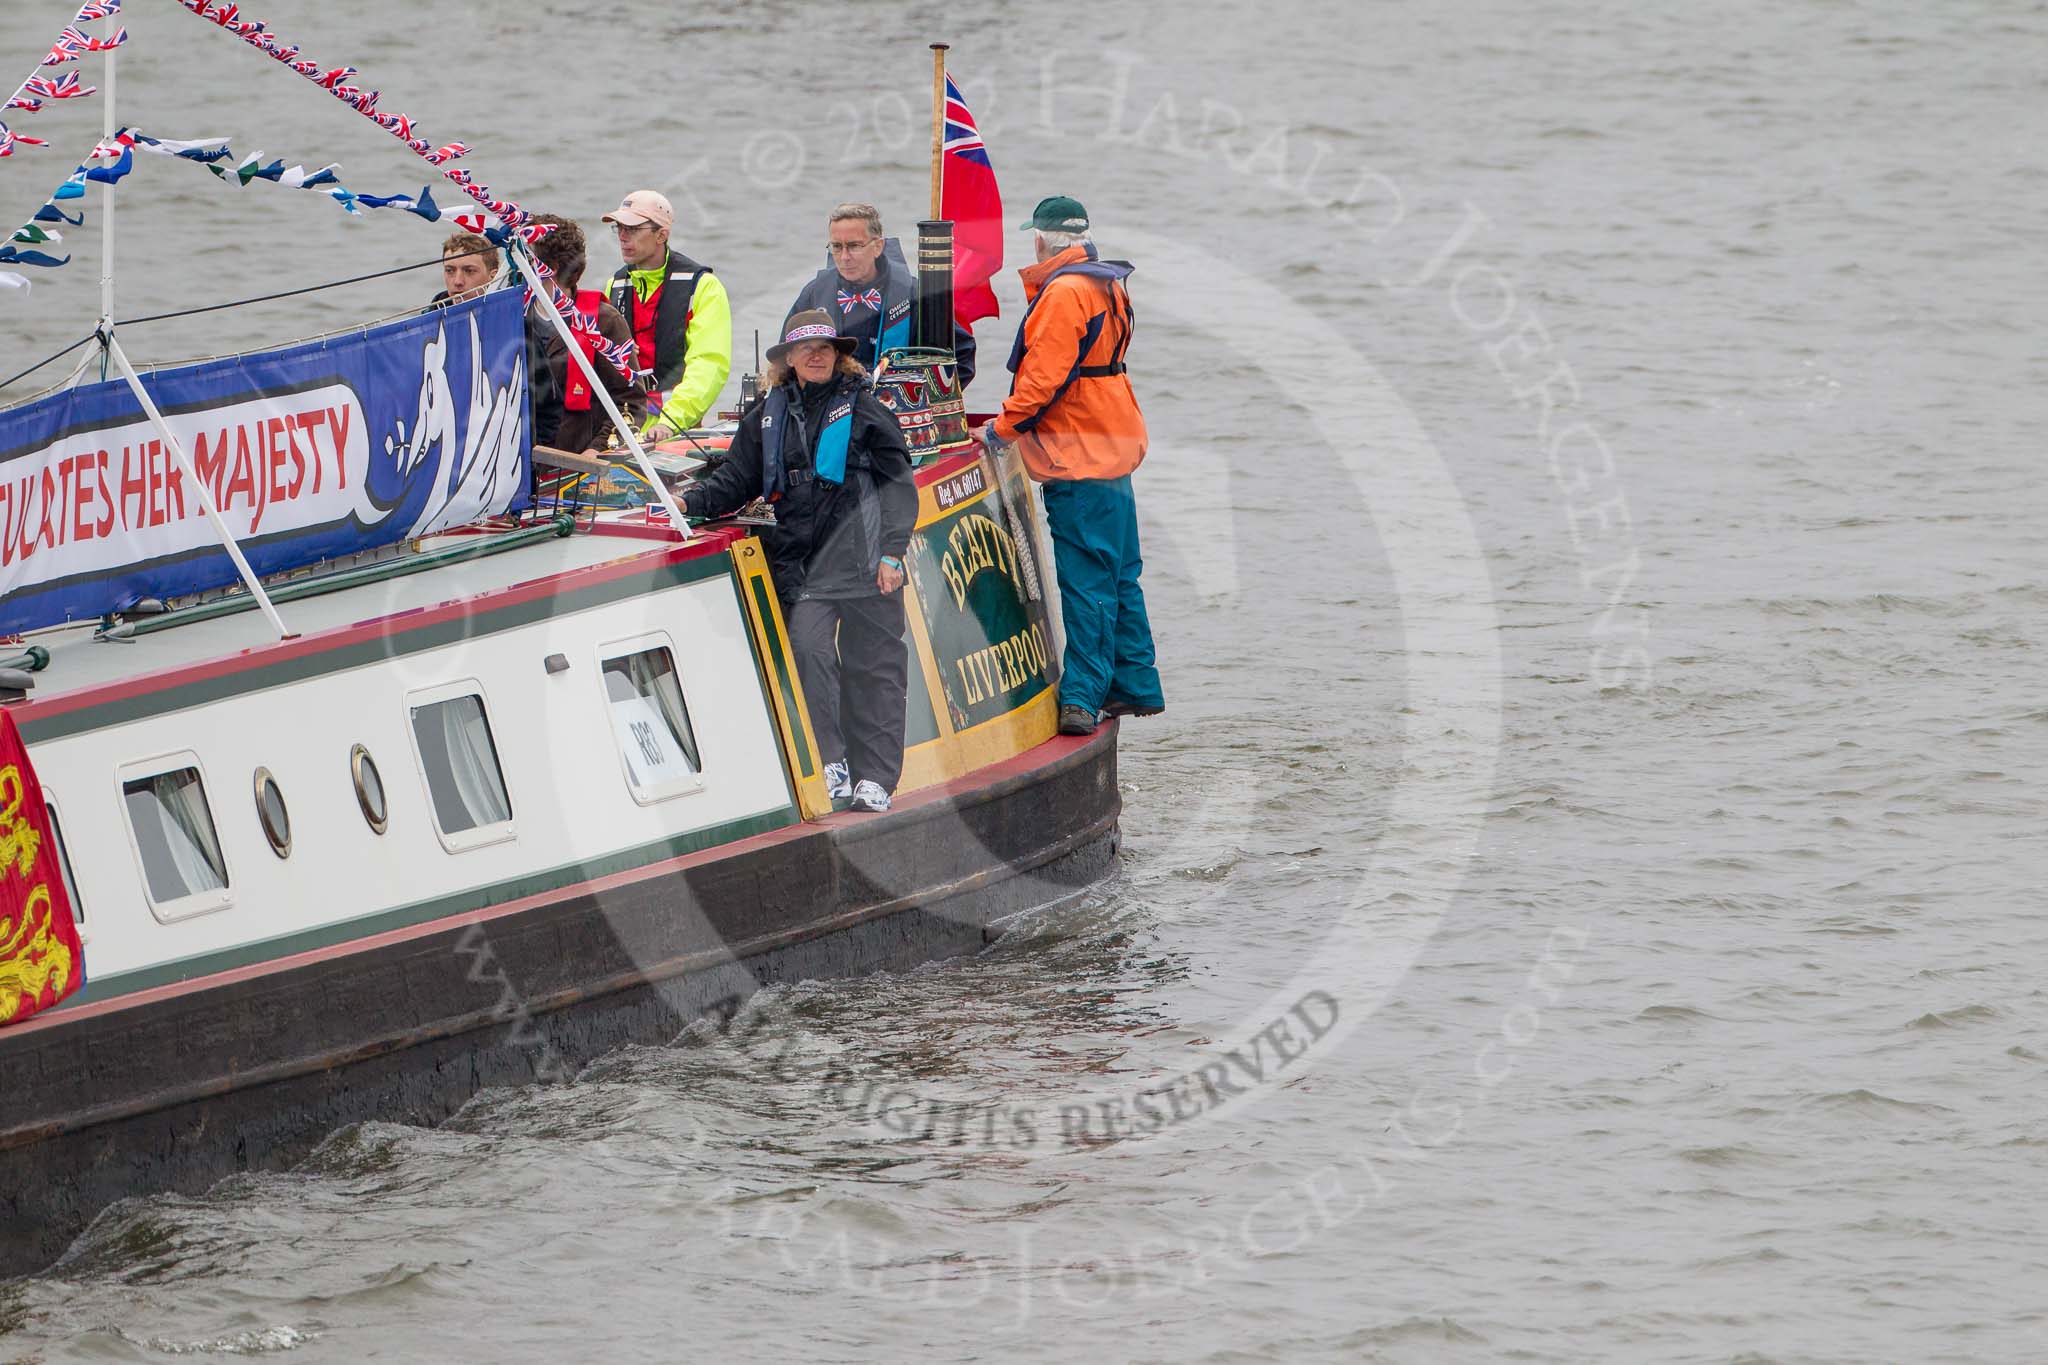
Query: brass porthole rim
(357, 757)
(280, 840)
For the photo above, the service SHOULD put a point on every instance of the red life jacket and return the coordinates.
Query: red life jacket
(576, 392)
(645, 311)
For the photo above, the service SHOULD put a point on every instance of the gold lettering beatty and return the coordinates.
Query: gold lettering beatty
(976, 545)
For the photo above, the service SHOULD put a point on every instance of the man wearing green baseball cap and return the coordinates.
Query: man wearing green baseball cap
(1058, 214)
(1076, 425)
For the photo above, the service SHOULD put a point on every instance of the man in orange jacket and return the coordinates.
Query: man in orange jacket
(1076, 425)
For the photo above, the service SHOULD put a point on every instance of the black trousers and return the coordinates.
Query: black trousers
(855, 666)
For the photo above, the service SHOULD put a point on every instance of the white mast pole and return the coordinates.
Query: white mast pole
(199, 489)
(107, 207)
(597, 388)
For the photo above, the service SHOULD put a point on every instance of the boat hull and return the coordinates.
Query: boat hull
(250, 1069)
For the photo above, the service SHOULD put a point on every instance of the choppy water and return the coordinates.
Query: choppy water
(1669, 832)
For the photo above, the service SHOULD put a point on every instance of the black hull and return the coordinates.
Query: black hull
(178, 1093)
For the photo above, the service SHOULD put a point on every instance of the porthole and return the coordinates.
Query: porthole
(369, 788)
(270, 810)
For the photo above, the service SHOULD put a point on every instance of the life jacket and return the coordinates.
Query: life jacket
(576, 396)
(1076, 417)
(1120, 311)
(828, 455)
(661, 325)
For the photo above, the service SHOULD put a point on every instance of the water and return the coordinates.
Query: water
(1669, 833)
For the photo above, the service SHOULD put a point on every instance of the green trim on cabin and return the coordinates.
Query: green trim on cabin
(421, 912)
(804, 762)
(921, 723)
(490, 621)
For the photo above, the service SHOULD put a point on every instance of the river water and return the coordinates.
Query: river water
(1592, 536)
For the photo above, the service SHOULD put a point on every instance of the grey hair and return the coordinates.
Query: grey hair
(1060, 241)
(865, 213)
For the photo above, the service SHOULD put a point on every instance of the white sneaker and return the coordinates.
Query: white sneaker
(838, 782)
(869, 796)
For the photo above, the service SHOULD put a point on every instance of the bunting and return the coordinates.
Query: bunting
(339, 81)
(113, 160)
(512, 220)
(35, 93)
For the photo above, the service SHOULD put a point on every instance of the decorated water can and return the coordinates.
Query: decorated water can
(922, 387)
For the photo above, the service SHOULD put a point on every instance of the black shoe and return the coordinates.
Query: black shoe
(1129, 708)
(1077, 720)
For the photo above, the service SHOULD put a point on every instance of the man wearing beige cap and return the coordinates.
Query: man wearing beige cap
(680, 315)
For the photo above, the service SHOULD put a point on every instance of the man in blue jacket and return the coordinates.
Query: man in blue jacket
(870, 292)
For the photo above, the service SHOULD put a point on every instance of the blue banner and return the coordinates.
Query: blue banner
(310, 452)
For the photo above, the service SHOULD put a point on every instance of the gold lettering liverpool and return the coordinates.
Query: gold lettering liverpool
(1003, 667)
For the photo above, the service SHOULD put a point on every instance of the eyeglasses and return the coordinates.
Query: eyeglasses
(848, 248)
(628, 229)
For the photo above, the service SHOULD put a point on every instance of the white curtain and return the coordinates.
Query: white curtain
(473, 762)
(175, 805)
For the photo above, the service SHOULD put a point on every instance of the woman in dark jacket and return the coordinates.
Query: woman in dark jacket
(833, 464)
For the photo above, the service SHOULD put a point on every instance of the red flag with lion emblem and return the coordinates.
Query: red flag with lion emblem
(41, 960)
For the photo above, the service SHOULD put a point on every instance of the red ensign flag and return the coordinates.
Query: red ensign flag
(969, 199)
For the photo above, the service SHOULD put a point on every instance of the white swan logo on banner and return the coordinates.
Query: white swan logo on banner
(485, 454)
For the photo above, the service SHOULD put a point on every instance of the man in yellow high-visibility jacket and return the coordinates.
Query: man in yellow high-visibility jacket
(679, 313)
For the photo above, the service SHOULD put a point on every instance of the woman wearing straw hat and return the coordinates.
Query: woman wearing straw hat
(832, 462)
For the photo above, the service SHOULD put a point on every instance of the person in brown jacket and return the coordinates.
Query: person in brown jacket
(566, 415)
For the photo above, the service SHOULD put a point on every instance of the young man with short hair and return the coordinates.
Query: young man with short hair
(469, 265)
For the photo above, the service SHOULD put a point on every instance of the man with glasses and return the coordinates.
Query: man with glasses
(869, 290)
(679, 313)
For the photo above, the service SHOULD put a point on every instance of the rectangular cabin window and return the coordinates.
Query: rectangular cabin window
(651, 723)
(461, 764)
(174, 832)
(64, 865)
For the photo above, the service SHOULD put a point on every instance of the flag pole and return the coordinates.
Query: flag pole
(938, 128)
(107, 207)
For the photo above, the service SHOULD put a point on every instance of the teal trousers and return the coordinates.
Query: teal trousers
(1109, 658)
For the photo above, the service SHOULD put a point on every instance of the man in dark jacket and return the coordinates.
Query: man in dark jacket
(833, 464)
(870, 292)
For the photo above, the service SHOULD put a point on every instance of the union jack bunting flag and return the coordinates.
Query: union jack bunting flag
(848, 302)
(76, 40)
(97, 9)
(65, 87)
(447, 154)
(8, 138)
